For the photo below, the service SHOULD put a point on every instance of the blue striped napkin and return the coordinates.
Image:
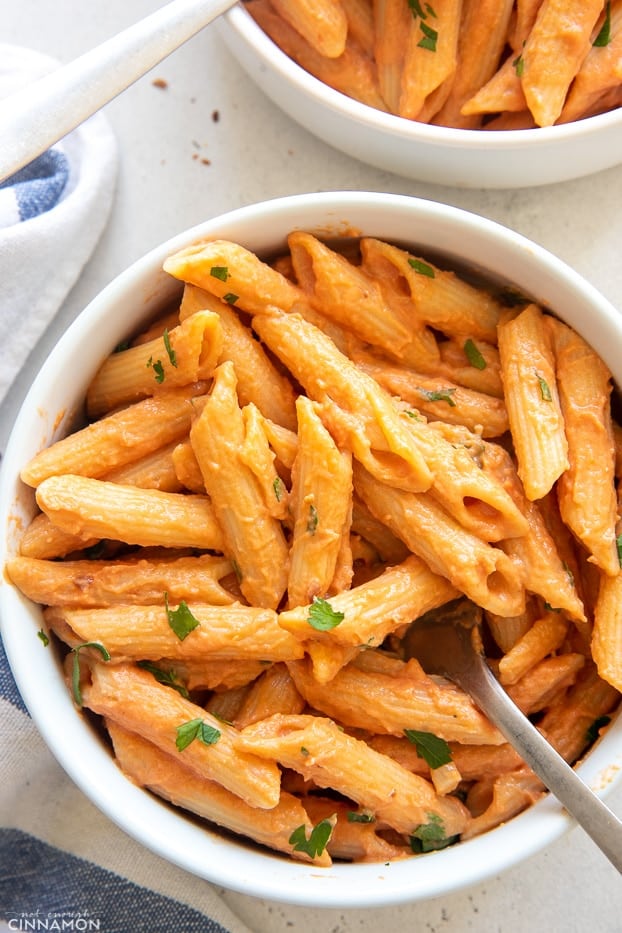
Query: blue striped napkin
(52, 215)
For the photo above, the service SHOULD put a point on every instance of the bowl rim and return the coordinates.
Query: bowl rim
(152, 822)
(410, 130)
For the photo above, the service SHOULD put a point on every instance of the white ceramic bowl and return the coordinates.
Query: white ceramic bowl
(441, 155)
(57, 393)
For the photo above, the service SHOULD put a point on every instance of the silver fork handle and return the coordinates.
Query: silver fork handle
(41, 113)
(583, 804)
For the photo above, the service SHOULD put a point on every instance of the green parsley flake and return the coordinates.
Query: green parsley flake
(429, 39)
(360, 816)
(318, 838)
(312, 520)
(278, 488)
(168, 678)
(545, 390)
(619, 549)
(169, 350)
(519, 66)
(220, 272)
(75, 670)
(430, 836)
(158, 369)
(604, 36)
(230, 298)
(322, 616)
(415, 9)
(196, 729)
(422, 267)
(181, 619)
(438, 395)
(474, 355)
(434, 750)
(43, 638)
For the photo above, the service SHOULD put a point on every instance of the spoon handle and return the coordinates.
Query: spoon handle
(44, 111)
(594, 816)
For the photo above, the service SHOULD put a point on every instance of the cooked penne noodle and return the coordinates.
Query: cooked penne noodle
(253, 537)
(389, 701)
(508, 794)
(323, 23)
(374, 609)
(43, 540)
(321, 499)
(118, 439)
(560, 35)
(439, 397)
(352, 404)
(320, 751)
(601, 72)
(487, 575)
(145, 632)
(532, 401)
(93, 508)
(607, 634)
(360, 16)
(586, 491)
(481, 42)
(503, 93)
(391, 24)
(139, 581)
(545, 636)
(273, 692)
(354, 837)
(132, 698)
(545, 681)
(473, 364)
(153, 471)
(351, 73)
(186, 355)
(259, 381)
(441, 299)
(167, 777)
(431, 54)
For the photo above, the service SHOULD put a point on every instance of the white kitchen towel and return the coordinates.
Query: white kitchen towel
(52, 214)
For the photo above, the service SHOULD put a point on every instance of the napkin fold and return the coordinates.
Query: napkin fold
(52, 214)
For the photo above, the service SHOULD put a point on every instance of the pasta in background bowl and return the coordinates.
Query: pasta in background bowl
(480, 250)
(441, 154)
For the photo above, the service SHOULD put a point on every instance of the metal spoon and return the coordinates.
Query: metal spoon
(448, 642)
(41, 113)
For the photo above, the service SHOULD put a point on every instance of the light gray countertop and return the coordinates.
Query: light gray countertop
(249, 153)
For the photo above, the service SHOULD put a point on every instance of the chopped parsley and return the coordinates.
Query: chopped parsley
(360, 816)
(75, 669)
(322, 617)
(430, 836)
(43, 638)
(158, 369)
(278, 488)
(181, 619)
(519, 65)
(312, 520)
(438, 395)
(434, 750)
(220, 272)
(169, 350)
(429, 38)
(545, 390)
(422, 267)
(604, 36)
(230, 298)
(196, 729)
(120, 347)
(473, 354)
(168, 678)
(619, 549)
(318, 838)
